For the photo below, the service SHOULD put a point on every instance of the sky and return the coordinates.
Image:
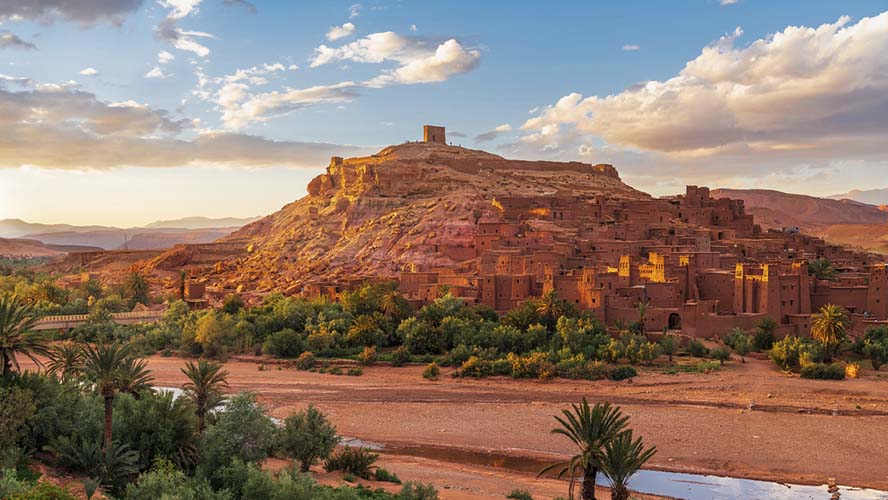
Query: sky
(122, 112)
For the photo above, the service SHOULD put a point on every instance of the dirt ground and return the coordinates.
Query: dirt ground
(747, 420)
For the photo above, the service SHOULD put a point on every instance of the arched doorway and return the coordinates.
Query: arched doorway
(674, 321)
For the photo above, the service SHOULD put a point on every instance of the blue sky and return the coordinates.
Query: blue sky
(127, 111)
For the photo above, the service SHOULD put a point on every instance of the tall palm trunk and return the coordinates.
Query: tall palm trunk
(619, 492)
(589, 477)
(109, 421)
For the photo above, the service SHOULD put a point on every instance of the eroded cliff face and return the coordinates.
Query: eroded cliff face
(395, 210)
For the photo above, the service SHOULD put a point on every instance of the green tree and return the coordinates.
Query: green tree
(829, 327)
(16, 321)
(721, 354)
(232, 304)
(590, 429)
(877, 351)
(551, 307)
(623, 457)
(393, 305)
(307, 437)
(65, 360)
(822, 269)
(641, 308)
(206, 384)
(742, 346)
(109, 368)
(764, 336)
(136, 287)
(669, 344)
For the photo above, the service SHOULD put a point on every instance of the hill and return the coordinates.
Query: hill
(843, 221)
(202, 223)
(877, 197)
(399, 208)
(16, 248)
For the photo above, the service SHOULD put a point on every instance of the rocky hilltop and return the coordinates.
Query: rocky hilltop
(394, 210)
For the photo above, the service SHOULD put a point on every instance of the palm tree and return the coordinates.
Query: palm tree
(589, 429)
(829, 328)
(135, 376)
(822, 269)
(205, 386)
(65, 360)
(16, 319)
(110, 368)
(551, 307)
(622, 459)
(394, 305)
(136, 287)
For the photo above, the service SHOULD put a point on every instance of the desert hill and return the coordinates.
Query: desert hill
(380, 214)
(18, 247)
(878, 197)
(842, 221)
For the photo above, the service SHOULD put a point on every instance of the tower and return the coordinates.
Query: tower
(431, 133)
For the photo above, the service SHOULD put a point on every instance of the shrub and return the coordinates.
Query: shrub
(476, 367)
(535, 364)
(400, 356)
(421, 337)
(357, 461)
(696, 349)
(242, 431)
(707, 366)
(354, 372)
(785, 353)
(381, 474)
(763, 340)
(307, 437)
(368, 355)
(577, 367)
(823, 371)
(413, 490)
(335, 371)
(43, 491)
(622, 372)
(285, 343)
(431, 371)
(877, 351)
(852, 370)
(669, 345)
(721, 354)
(520, 495)
(306, 361)
(10, 483)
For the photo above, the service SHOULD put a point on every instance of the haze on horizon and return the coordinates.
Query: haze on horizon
(122, 112)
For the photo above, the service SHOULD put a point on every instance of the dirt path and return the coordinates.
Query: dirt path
(747, 420)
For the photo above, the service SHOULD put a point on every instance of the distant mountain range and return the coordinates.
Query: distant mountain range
(871, 196)
(842, 221)
(157, 235)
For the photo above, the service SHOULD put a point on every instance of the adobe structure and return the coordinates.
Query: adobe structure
(431, 133)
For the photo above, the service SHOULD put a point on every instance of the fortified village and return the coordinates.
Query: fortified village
(497, 232)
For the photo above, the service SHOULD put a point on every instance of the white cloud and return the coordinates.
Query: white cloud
(413, 28)
(89, 72)
(803, 90)
(631, 47)
(164, 57)
(180, 8)
(241, 109)
(728, 2)
(10, 40)
(449, 59)
(157, 72)
(86, 12)
(354, 11)
(337, 32)
(493, 134)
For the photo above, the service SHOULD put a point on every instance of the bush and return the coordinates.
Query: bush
(877, 351)
(721, 354)
(824, 371)
(242, 431)
(354, 372)
(381, 474)
(696, 349)
(357, 461)
(307, 437)
(533, 365)
(43, 491)
(577, 367)
(285, 343)
(165, 481)
(413, 490)
(520, 495)
(400, 356)
(306, 361)
(622, 372)
(763, 340)
(431, 371)
(421, 337)
(708, 366)
(368, 355)
(852, 370)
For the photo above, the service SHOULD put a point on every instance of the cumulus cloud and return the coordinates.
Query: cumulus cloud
(421, 61)
(85, 12)
(337, 32)
(89, 71)
(802, 92)
(59, 127)
(157, 72)
(10, 40)
(727, 2)
(493, 134)
(164, 57)
(631, 47)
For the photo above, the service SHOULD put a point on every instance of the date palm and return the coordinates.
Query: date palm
(110, 368)
(551, 307)
(623, 457)
(822, 269)
(65, 360)
(136, 287)
(205, 387)
(16, 320)
(590, 429)
(393, 305)
(829, 327)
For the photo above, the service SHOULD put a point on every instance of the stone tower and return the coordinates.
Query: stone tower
(431, 133)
